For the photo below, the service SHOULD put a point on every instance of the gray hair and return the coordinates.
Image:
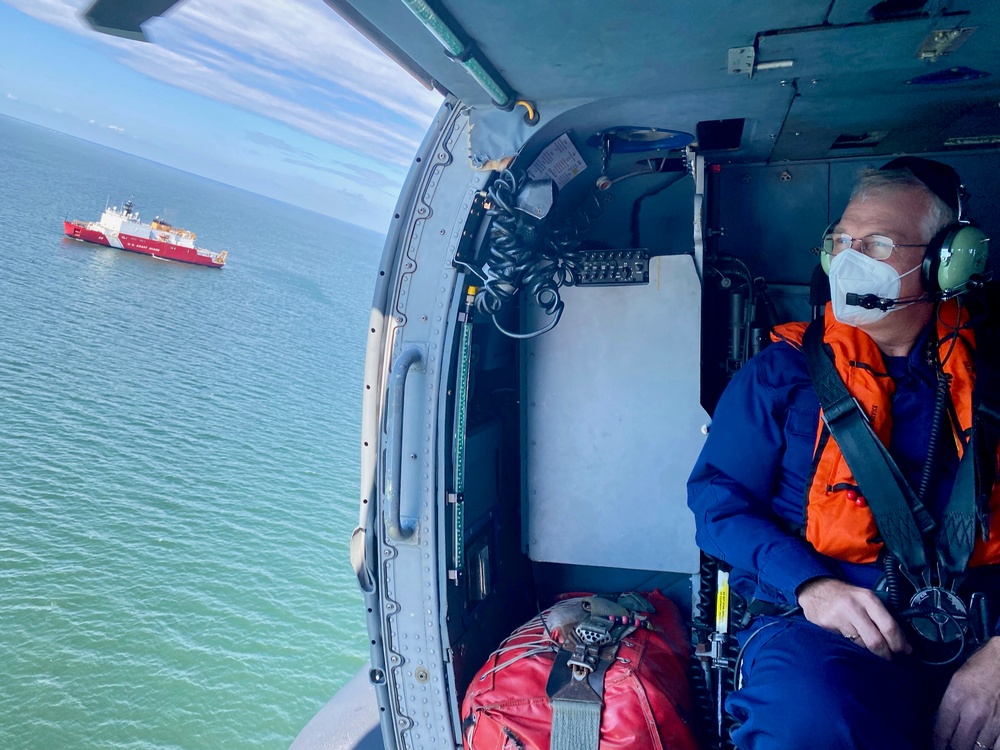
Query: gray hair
(872, 181)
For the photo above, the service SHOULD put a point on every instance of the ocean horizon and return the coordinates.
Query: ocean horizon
(180, 455)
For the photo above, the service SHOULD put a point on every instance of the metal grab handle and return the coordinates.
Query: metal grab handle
(394, 449)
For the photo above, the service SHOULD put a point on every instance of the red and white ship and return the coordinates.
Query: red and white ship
(121, 228)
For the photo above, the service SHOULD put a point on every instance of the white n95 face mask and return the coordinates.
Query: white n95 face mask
(854, 272)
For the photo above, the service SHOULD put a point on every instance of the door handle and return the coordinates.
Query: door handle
(394, 448)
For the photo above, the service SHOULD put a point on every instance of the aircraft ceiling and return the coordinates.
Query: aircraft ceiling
(807, 78)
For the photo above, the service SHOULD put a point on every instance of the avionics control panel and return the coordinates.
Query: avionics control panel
(613, 267)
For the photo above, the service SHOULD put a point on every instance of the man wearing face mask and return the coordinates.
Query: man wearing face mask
(865, 536)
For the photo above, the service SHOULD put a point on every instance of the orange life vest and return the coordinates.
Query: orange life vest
(838, 521)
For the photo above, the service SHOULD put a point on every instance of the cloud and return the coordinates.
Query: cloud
(370, 177)
(61, 13)
(11, 97)
(261, 92)
(277, 144)
(116, 128)
(301, 38)
(354, 173)
(295, 61)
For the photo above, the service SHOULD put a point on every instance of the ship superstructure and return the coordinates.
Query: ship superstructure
(122, 228)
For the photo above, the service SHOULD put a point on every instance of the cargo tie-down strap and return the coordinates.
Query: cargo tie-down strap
(576, 682)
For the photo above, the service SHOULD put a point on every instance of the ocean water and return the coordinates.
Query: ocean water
(179, 453)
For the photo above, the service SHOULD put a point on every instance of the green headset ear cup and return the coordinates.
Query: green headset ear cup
(958, 252)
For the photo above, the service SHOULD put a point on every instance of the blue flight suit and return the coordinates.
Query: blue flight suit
(805, 686)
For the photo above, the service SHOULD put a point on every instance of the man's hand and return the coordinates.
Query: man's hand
(969, 715)
(854, 612)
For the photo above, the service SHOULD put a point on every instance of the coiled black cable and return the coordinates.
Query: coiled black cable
(937, 418)
(892, 580)
(524, 257)
(892, 576)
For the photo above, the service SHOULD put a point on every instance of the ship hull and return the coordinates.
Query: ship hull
(146, 246)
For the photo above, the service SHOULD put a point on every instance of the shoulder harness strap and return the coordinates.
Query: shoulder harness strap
(901, 519)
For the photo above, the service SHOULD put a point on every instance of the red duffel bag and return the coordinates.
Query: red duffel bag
(589, 672)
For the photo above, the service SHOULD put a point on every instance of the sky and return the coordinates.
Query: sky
(281, 97)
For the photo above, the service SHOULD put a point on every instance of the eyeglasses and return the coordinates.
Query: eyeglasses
(875, 246)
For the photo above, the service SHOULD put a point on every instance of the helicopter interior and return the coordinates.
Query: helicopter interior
(616, 263)
(579, 440)
(614, 206)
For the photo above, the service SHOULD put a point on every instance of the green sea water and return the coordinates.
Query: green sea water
(179, 451)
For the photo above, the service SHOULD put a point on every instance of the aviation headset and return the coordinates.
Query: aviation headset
(959, 250)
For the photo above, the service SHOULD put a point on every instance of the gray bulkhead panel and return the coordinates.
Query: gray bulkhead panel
(613, 424)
